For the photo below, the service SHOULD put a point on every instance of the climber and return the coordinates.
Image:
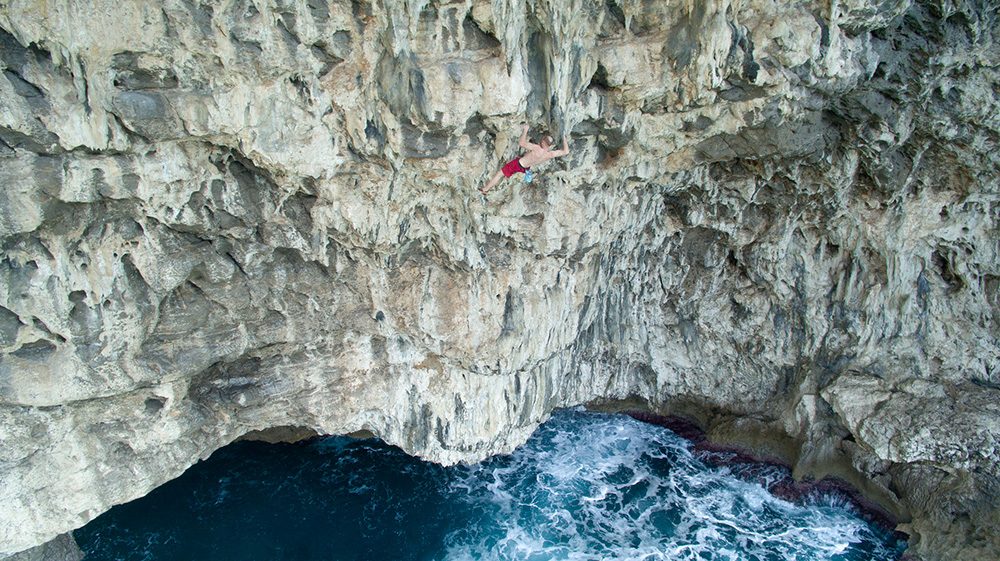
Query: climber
(536, 154)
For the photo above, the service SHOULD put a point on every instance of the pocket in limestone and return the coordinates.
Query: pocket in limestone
(148, 114)
(134, 71)
(417, 143)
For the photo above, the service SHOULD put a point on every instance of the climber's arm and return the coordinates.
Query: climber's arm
(523, 142)
(562, 151)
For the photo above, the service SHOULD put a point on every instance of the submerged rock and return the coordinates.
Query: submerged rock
(227, 218)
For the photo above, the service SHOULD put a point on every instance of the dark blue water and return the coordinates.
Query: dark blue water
(586, 486)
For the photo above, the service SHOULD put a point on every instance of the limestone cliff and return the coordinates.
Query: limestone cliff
(778, 217)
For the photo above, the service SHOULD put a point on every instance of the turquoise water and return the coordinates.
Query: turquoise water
(585, 486)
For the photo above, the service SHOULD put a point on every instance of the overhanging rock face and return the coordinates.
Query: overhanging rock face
(220, 218)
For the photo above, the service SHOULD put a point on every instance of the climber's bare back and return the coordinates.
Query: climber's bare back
(537, 155)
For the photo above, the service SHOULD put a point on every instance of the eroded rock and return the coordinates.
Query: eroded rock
(227, 219)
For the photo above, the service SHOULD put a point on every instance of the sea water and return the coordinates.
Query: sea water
(585, 486)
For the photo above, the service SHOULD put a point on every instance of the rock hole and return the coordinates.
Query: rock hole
(947, 271)
(362, 12)
(616, 13)
(131, 74)
(155, 404)
(320, 50)
(379, 316)
(372, 132)
(35, 350)
(600, 78)
(122, 450)
(476, 127)
(512, 314)
(475, 37)
(341, 43)
(740, 312)
(731, 259)
(699, 124)
(302, 88)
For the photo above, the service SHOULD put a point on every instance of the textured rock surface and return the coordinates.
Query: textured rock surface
(63, 548)
(227, 217)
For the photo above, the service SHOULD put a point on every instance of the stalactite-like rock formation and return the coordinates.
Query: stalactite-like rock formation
(779, 218)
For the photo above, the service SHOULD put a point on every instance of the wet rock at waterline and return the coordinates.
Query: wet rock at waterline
(778, 219)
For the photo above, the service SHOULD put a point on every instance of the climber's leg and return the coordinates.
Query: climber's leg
(492, 182)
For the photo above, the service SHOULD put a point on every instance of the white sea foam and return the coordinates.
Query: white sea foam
(599, 487)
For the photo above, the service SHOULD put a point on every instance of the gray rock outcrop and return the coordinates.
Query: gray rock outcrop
(778, 218)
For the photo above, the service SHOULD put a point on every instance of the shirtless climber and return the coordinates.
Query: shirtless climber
(537, 153)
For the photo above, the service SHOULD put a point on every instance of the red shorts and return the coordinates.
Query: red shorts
(512, 167)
